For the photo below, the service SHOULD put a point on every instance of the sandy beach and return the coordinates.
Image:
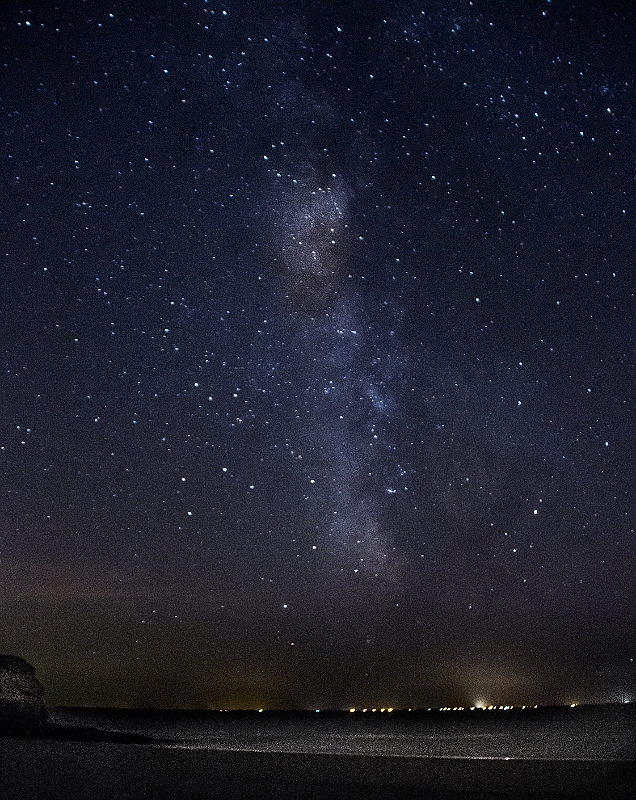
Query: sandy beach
(44, 768)
(301, 760)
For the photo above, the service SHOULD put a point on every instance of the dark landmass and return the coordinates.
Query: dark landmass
(21, 703)
(76, 733)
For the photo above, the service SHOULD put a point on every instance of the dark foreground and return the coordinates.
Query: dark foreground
(297, 757)
(50, 769)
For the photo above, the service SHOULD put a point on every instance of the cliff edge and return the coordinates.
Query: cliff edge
(21, 703)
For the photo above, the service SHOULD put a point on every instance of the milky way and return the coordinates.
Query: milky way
(344, 381)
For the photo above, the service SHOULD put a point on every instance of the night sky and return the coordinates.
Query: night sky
(318, 359)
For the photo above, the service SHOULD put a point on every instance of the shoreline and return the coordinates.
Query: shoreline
(38, 767)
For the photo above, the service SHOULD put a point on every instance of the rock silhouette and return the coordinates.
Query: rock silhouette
(21, 703)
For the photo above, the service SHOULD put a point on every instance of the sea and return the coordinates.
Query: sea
(585, 753)
(597, 733)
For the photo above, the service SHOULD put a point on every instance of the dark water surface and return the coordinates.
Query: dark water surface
(592, 732)
(583, 752)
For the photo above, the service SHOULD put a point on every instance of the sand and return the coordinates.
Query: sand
(44, 768)
(556, 753)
